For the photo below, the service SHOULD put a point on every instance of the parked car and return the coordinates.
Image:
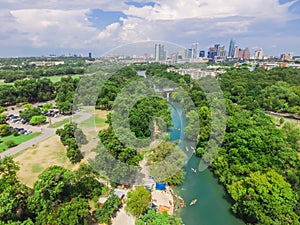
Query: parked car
(9, 116)
(15, 120)
(28, 132)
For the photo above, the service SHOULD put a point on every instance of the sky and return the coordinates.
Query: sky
(36, 28)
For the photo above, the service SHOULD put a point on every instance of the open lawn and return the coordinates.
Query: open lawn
(50, 152)
(58, 78)
(17, 139)
(37, 158)
(60, 123)
(52, 78)
(94, 121)
(63, 122)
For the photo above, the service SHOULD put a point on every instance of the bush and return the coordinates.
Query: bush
(10, 143)
(15, 132)
(4, 130)
(36, 120)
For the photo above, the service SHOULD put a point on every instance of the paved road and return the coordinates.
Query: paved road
(46, 133)
(123, 218)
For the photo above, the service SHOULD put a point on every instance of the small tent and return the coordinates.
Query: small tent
(160, 187)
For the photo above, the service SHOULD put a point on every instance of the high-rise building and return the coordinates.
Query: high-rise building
(221, 51)
(189, 53)
(236, 52)
(231, 48)
(287, 56)
(244, 54)
(195, 50)
(217, 46)
(160, 53)
(90, 55)
(202, 54)
(156, 52)
(181, 54)
(212, 52)
(259, 54)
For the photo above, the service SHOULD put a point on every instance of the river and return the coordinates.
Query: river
(213, 206)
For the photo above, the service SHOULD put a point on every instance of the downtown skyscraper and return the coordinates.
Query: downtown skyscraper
(160, 53)
(231, 48)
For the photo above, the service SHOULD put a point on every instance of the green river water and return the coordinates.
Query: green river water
(213, 205)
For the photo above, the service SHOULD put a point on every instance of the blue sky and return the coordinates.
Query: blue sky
(140, 4)
(30, 28)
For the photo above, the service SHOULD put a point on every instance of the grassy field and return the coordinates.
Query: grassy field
(94, 121)
(52, 78)
(37, 158)
(57, 78)
(63, 122)
(60, 123)
(50, 152)
(17, 139)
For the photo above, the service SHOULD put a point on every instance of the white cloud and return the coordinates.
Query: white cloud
(187, 9)
(61, 24)
(109, 32)
(55, 28)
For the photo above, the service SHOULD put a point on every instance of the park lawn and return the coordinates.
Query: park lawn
(34, 160)
(63, 122)
(17, 139)
(55, 79)
(60, 123)
(94, 121)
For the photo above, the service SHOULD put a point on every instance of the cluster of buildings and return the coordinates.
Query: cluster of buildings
(215, 53)
(46, 63)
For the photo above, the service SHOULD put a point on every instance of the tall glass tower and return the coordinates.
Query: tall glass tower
(231, 48)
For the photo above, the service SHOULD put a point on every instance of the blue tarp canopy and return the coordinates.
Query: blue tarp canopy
(161, 187)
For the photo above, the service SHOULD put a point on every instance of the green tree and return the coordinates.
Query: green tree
(153, 218)
(29, 112)
(108, 209)
(264, 198)
(13, 194)
(37, 120)
(2, 118)
(192, 129)
(4, 130)
(138, 201)
(2, 109)
(71, 213)
(10, 143)
(52, 188)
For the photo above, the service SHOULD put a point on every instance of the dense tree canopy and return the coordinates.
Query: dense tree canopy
(138, 201)
(153, 218)
(108, 209)
(60, 196)
(72, 137)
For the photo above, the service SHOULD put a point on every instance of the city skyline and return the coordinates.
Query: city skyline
(34, 29)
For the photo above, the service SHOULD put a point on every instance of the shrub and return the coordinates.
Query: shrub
(4, 130)
(35, 120)
(10, 143)
(15, 132)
